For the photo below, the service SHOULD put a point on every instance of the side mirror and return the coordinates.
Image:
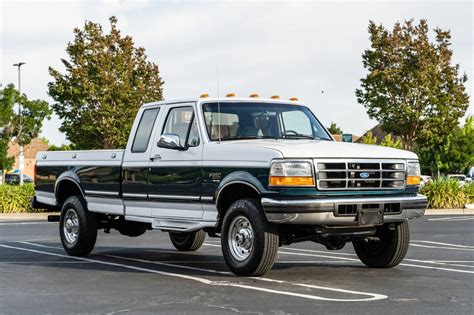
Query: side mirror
(170, 141)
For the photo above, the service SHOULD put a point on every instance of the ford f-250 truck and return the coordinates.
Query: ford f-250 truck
(258, 173)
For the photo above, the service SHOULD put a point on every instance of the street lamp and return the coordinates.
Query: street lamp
(21, 157)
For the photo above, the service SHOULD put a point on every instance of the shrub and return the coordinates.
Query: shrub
(447, 193)
(15, 199)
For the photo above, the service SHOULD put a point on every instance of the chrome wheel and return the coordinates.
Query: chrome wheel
(71, 226)
(241, 238)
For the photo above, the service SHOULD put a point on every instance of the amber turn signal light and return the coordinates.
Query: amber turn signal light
(413, 180)
(305, 181)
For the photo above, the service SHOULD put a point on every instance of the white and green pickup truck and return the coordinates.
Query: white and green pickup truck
(258, 173)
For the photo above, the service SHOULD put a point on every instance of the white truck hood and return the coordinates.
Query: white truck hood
(328, 149)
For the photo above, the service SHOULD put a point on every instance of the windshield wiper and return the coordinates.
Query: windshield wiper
(249, 137)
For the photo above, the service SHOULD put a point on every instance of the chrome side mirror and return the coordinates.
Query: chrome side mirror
(170, 141)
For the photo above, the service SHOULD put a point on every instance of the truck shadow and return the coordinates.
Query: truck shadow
(131, 260)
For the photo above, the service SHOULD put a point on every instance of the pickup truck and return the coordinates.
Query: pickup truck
(257, 173)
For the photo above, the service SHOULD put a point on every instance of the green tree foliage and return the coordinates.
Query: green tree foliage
(6, 162)
(454, 153)
(389, 141)
(412, 88)
(20, 128)
(460, 149)
(369, 138)
(106, 79)
(334, 129)
(62, 147)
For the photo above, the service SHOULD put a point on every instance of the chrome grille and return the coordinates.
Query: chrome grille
(360, 174)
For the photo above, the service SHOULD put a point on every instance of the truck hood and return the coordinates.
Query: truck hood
(328, 149)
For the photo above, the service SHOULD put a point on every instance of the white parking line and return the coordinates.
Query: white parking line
(306, 252)
(372, 296)
(40, 245)
(453, 219)
(448, 244)
(442, 247)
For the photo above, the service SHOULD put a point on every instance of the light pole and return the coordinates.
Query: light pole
(21, 157)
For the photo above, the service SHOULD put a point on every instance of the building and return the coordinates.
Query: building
(378, 133)
(30, 154)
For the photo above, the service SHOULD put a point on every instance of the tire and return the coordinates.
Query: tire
(249, 242)
(77, 227)
(386, 252)
(188, 241)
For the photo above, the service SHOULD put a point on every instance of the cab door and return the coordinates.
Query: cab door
(135, 166)
(175, 174)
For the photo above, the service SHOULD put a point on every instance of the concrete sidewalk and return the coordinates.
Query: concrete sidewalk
(43, 216)
(5, 217)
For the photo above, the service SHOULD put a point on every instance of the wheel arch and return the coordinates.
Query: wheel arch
(235, 186)
(67, 185)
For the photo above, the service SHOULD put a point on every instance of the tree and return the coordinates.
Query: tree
(460, 150)
(453, 154)
(19, 128)
(334, 129)
(6, 162)
(106, 79)
(389, 141)
(411, 87)
(369, 138)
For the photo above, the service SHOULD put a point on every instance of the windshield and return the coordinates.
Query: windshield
(261, 120)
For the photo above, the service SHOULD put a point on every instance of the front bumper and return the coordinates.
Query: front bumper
(325, 211)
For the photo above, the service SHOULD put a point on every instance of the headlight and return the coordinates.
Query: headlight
(413, 173)
(291, 174)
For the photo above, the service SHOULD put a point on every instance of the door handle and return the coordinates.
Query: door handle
(155, 157)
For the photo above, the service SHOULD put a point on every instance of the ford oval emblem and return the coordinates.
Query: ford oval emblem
(364, 175)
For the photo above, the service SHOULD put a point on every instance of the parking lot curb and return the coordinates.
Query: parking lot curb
(448, 211)
(43, 216)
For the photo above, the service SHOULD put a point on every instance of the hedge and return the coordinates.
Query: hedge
(15, 199)
(448, 193)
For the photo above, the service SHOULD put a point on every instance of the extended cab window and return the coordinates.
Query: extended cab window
(181, 122)
(142, 136)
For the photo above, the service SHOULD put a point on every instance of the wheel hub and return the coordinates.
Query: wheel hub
(240, 238)
(71, 226)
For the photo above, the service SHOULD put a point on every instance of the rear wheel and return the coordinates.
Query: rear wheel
(249, 242)
(386, 248)
(188, 241)
(77, 227)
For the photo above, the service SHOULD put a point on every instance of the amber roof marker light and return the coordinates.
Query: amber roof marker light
(275, 97)
(294, 99)
(254, 95)
(204, 95)
(230, 95)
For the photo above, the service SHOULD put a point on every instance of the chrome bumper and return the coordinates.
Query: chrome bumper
(325, 211)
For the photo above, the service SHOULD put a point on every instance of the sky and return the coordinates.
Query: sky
(308, 49)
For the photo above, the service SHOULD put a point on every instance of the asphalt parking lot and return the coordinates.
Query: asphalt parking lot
(147, 275)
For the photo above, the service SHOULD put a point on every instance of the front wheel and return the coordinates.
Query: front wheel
(386, 248)
(249, 242)
(77, 227)
(188, 241)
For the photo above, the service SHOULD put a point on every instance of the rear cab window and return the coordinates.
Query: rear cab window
(144, 130)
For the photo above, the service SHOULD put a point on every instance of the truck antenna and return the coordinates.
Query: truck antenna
(218, 108)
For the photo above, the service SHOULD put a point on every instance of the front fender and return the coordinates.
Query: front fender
(240, 177)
